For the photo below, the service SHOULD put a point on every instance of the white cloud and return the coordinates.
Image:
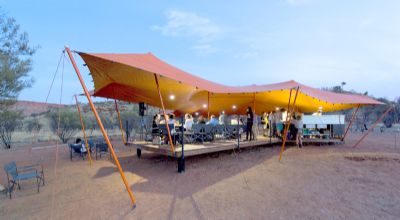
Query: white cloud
(247, 55)
(204, 49)
(187, 24)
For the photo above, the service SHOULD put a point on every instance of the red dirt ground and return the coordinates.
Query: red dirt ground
(315, 182)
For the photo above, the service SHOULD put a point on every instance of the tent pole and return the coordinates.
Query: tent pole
(350, 122)
(288, 120)
(103, 131)
(120, 123)
(288, 106)
(165, 115)
(83, 130)
(373, 126)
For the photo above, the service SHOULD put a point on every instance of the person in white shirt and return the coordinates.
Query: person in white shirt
(188, 122)
(222, 118)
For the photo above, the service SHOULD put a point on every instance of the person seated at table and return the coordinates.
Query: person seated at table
(171, 119)
(156, 122)
(201, 120)
(162, 120)
(188, 122)
(79, 141)
(171, 125)
(213, 120)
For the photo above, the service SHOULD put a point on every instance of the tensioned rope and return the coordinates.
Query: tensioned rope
(57, 142)
(47, 97)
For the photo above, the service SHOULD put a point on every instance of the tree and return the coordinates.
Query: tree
(69, 123)
(15, 63)
(33, 125)
(10, 121)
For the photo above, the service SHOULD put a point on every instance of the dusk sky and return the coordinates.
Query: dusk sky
(316, 42)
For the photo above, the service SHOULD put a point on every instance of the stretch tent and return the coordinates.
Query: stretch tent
(132, 78)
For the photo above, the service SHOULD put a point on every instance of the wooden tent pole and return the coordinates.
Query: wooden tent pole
(350, 122)
(288, 122)
(120, 123)
(165, 115)
(373, 126)
(83, 130)
(103, 131)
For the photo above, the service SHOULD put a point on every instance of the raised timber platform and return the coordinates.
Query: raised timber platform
(317, 141)
(222, 145)
(205, 148)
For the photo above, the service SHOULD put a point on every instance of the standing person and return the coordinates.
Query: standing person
(222, 118)
(299, 127)
(255, 126)
(265, 124)
(272, 123)
(278, 121)
(249, 124)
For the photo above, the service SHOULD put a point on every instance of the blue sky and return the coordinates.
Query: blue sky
(316, 42)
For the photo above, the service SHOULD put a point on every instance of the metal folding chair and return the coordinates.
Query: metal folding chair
(17, 174)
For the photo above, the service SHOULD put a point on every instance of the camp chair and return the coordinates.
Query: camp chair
(197, 133)
(76, 149)
(155, 135)
(92, 145)
(231, 131)
(208, 134)
(102, 148)
(164, 132)
(219, 131)
(17, 174)
(189, 136)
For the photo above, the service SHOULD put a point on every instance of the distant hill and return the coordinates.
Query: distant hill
(28, 108)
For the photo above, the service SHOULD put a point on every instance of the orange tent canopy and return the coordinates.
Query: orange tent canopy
(131, 78)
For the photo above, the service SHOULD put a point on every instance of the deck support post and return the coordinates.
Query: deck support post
(181, 160)
(83, 130)
(103, 131)
(120, 123)
(373, 126)
(288, 120)
(165, 115)
(238, 132)
(350, 122)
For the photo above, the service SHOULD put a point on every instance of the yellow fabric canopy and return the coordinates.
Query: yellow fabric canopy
(131, 78)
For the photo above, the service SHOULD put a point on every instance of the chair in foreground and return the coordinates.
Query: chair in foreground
(17, 174)
(102, 148)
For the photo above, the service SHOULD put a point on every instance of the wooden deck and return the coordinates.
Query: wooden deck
(220, 145)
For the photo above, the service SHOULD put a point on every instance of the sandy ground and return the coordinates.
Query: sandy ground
(316, 182)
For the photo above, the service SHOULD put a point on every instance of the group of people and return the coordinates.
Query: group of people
(272, 123)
